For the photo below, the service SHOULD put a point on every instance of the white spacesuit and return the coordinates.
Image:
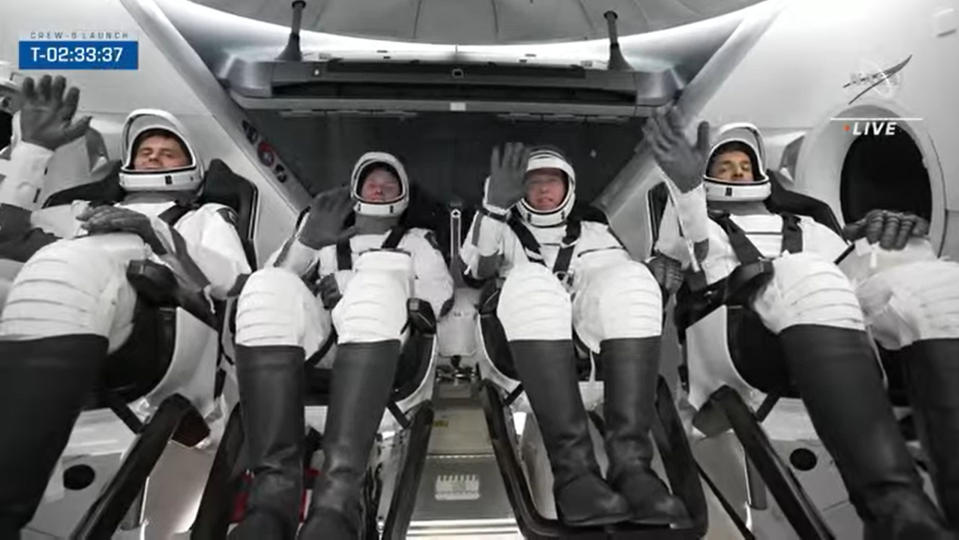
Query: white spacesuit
(363, 277)
(71, 304)
(563, 274)
(804, 299)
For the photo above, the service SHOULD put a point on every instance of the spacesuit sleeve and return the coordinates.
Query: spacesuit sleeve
(821, 240)
(432, 280)
(484, 250)
(295, 256)
(216, 258)
(19, 240)
(22, 185)
(671, 242)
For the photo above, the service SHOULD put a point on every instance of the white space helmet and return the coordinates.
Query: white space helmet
(10, 77)
(545, 157)
(186, 178)
(745, 137)
(364, 165)
(11, 81)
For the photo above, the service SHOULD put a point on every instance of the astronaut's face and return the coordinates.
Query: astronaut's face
(733, 166)
(380, 185)
(545, 189)
(160, 153)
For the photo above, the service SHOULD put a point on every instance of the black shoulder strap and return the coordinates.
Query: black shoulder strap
(565, 256)
(792, 233)
(344, 253)
(393, 239)
(532, 247)
(745, 251)
(173, 214)
(526, 238)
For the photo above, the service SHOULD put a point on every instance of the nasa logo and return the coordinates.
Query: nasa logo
(870, 76)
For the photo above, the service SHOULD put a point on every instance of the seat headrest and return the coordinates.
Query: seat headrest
(105, 188)
(785, 200)
(223, 186)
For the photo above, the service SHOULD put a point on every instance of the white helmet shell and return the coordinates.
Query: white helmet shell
(721, 190)
(10, 77)
(375, 208)
(549, 158)
(186, 178)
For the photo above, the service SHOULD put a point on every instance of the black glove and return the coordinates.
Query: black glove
(506, 176)
(46, 115)
(325, 223)
(668, 273)
(109, 219)
(329, 291)
(891, 229)
(683, 163)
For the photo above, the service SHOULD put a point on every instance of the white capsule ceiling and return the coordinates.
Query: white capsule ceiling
(482, 22)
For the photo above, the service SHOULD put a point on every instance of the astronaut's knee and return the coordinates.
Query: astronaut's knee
(373, 308)
(807, 289)
(630, 302)
(273, 309)
(64, 288)
(533, 305)
(913, 302)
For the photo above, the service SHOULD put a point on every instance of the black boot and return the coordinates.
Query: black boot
(271, 402)
(361, 386)
(932, 375)
(838, 378)
(548, 374)
(44, 384)
(630, 372)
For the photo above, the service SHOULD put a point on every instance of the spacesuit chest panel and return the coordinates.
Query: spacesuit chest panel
(757, 236)
(344, 251)
(552, 247)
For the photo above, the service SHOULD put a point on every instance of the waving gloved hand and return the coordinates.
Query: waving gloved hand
(667, 271)
(507, 173)
(109, 219)
(891, 229)
(683, 163)
(325, 223)
(46, 114)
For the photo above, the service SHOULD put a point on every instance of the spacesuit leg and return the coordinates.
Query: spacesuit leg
(535, 311)
(278, 323)
(370, 320)
(914, 308)
(67, 303)
(620, 308)
(812, 307)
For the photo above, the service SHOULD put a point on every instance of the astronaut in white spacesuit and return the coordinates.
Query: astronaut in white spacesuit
(564, 274)
(365, 273)
(813, 309)
(71, 304)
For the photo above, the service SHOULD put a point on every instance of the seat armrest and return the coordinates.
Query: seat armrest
(421, 316)
(158, 285)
